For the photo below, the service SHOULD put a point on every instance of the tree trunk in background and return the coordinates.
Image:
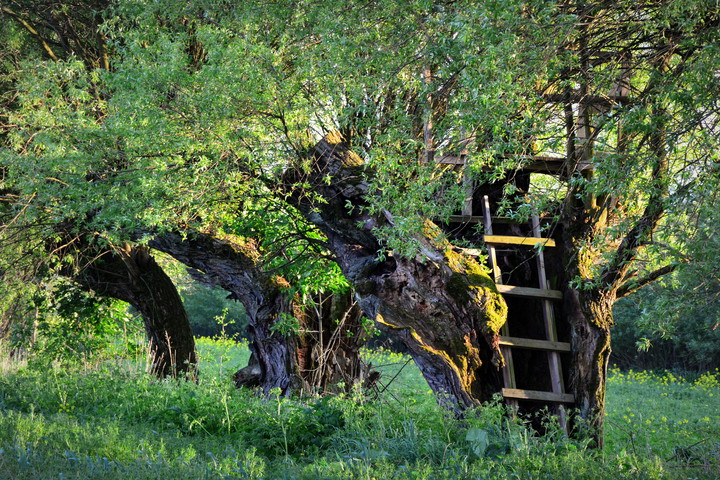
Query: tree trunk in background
(329, 343)
(280, 361)
(441, 305)
(132, 275)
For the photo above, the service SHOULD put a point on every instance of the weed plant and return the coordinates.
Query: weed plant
(109, 420)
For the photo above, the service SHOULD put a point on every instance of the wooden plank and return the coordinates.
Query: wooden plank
(480, 219)
(530, 292)
(533, 344)
(497, 276)
(521, 394)
(525, 241)
(452, 160)
(532, 163)
(508, 370)
(465, 219)
(469, 186)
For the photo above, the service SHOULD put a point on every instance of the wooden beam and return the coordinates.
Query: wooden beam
(521, 394)
(529, 292)
(531, 163)
(533, 344)
(525, 241)
(480, 219)
(465, 219)
(452, 160)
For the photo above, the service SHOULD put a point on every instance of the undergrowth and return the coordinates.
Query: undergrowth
(111, 421)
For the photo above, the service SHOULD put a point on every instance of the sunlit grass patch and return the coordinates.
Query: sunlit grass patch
(665, 415)
(221, 357)
(110, 421)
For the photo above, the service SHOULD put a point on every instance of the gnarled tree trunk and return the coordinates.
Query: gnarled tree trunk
(132, 275)
(308, 359)
(442, 305)
(232, 266)
(590, 317)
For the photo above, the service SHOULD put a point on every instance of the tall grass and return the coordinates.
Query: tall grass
(111, 421)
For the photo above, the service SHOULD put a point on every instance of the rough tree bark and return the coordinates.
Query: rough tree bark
(442, 305)
(278, 361)
(132, 275)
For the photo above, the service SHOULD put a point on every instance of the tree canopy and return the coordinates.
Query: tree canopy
(210, 117)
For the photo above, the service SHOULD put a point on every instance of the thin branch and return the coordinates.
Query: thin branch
(636, 284)
(32, 31)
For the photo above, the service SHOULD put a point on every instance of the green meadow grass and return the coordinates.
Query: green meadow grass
(111, 421)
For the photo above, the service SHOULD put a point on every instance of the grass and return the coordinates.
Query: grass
(110, 421)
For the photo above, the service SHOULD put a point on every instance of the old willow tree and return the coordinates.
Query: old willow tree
(341, 108)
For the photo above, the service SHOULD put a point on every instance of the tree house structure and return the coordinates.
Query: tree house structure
(525, 264)
(527, 259)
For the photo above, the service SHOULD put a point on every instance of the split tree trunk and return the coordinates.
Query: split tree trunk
(132, 275)
(442, 305)
(312, 359)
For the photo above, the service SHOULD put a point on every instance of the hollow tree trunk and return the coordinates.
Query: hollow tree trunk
(132, 275)
(442, 305)
(278, 361)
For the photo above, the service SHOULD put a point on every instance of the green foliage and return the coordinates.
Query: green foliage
(286, 325)
(208, 104)
(210, 312)
(75, 325)
(70, 326)
(673, 324)
(181, 138)
(289, 246)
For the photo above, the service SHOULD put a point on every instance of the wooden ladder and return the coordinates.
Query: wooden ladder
(557, 397)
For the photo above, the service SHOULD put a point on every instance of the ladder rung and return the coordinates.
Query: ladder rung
(521, 394)
(530, 292)
(527, 241)
(534, 344)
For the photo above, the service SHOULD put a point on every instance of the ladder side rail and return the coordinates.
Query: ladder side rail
(554, 362)
(509, 370)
